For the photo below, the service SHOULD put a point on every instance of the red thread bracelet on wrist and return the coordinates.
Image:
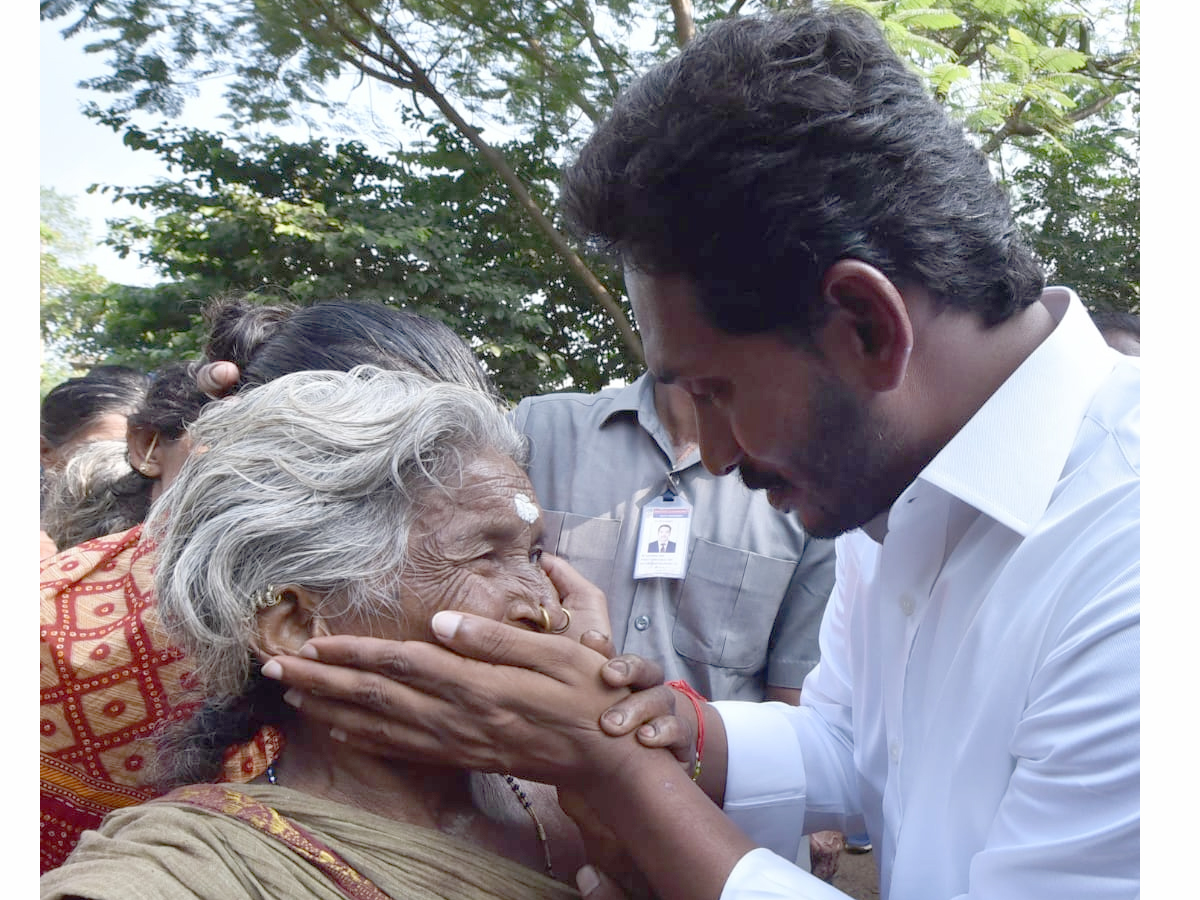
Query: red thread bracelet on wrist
(692, 694)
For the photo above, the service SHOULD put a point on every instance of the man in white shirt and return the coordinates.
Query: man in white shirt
(822, 260)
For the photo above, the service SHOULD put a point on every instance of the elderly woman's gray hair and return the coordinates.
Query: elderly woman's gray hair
(80, 503)
(315, 480)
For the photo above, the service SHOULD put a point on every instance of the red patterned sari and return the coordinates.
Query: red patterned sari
(109, 680)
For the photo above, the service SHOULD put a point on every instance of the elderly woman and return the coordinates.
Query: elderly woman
(78, 504)
(331, 503)
(109, 677)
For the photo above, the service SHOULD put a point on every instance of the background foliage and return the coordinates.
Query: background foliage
(457, 219)
(68, 288)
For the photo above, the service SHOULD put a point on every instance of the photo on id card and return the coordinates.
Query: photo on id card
(663, 538)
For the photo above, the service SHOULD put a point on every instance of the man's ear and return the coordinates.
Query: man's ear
(287, 625)
(142, 444)
(869, 336)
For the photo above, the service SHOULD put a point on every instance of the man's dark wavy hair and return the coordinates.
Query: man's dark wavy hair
(772, 147)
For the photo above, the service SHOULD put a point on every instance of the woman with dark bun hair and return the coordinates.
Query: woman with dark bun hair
(109, 677)
(267, 342)
(107, 486)
(91, 407)
(76, 414)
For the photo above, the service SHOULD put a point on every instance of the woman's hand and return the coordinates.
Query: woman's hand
(649, 711)
(605, 853)
(593, 884)
(217, 379)
(541, 706)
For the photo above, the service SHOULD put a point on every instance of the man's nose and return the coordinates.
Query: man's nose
(719, 449)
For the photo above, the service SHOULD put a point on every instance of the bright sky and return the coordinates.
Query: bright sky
(76, 152)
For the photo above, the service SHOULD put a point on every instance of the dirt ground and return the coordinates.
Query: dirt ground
(857, 876)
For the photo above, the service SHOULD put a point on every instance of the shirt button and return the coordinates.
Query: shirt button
(894, 752)
(907, 604)
(641, 623)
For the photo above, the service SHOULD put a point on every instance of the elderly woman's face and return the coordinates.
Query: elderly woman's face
(475, 548)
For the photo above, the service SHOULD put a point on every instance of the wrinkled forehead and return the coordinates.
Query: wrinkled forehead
(494, 493)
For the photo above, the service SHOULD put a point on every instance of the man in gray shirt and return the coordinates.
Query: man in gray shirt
(742, 623)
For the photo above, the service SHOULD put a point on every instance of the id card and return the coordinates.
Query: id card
(663, 538)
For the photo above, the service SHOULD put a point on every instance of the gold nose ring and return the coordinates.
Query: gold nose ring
(566, 622)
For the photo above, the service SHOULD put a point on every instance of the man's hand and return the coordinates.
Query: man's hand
(506, 699)
(652, 711)
(649, 711)
(514, 701)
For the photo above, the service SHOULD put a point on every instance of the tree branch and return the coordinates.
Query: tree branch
(398, 79)
(604, 53)
(685, 21)
(530, 48)
(1014, 124)
(1082, 112)
(964, 40)
(420, 81)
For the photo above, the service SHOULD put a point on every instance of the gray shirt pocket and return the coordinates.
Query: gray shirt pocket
(728, 605)
(590, 545)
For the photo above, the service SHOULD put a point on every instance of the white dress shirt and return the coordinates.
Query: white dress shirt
(977, 703)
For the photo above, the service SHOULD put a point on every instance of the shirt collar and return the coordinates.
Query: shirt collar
(637, 399)
(1007, 460)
